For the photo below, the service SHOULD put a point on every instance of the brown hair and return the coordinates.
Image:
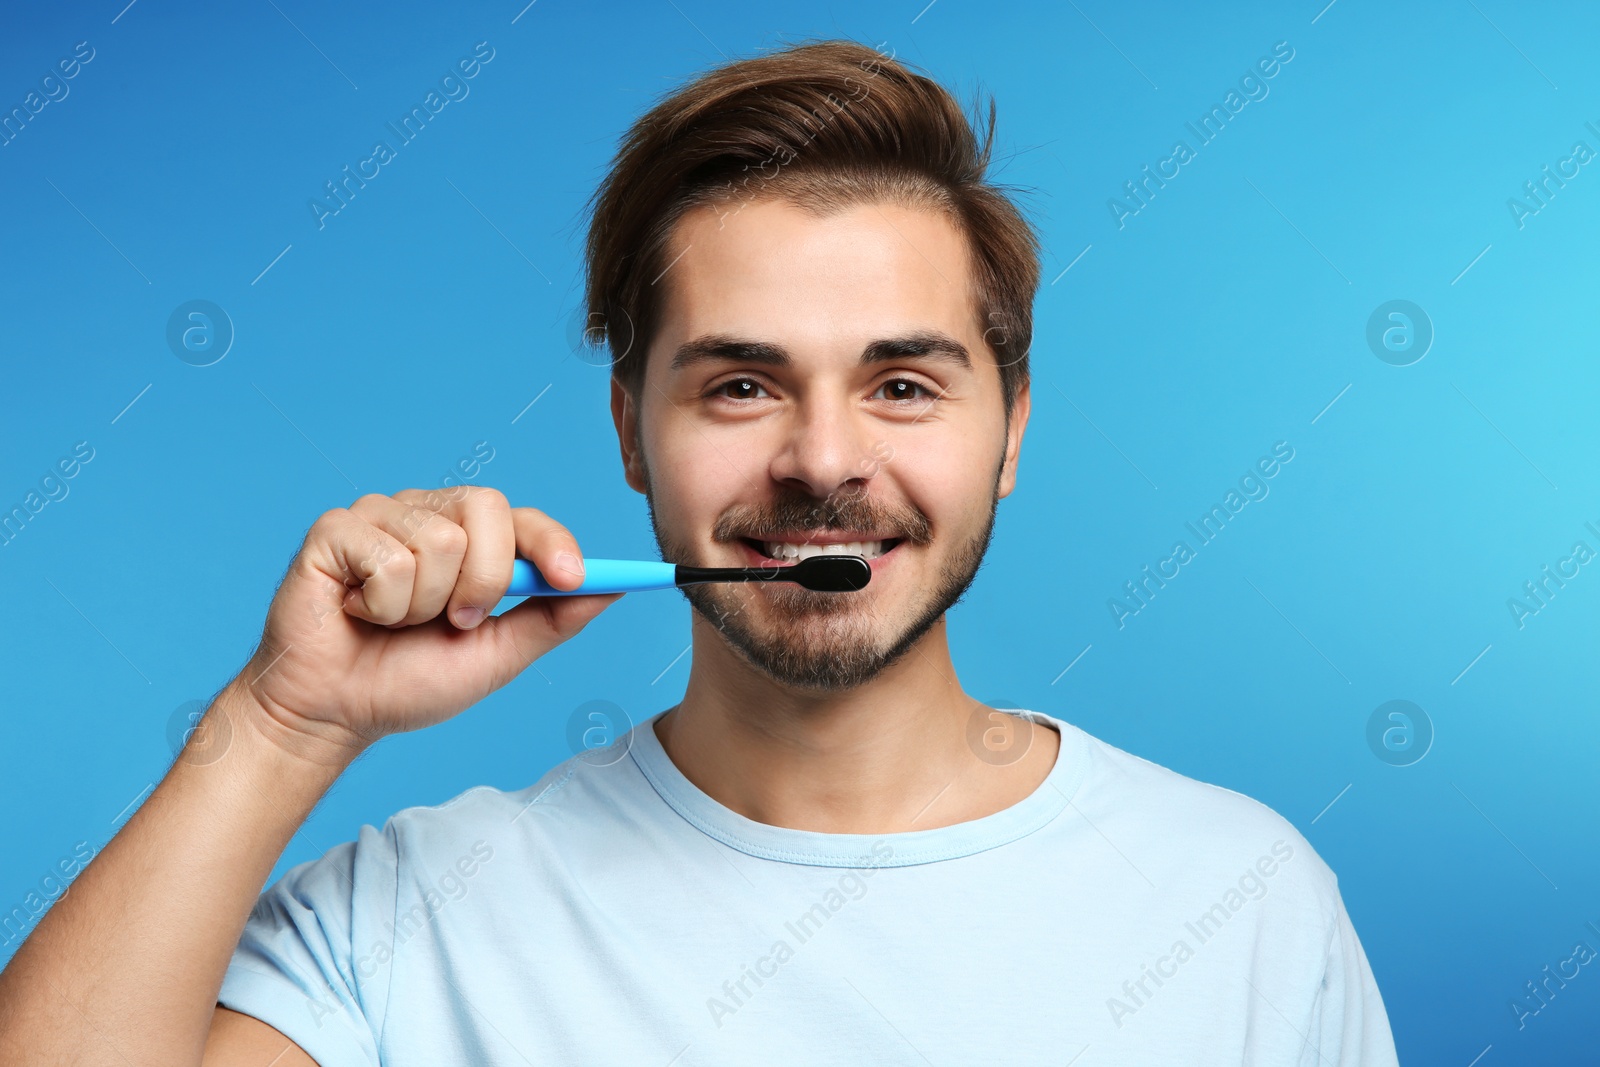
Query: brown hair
(823, 125)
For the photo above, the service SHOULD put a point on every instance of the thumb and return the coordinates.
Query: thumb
(539, 624)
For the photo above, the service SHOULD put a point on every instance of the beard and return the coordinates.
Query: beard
(819, 641)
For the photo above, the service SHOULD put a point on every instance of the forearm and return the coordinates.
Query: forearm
(125, 968)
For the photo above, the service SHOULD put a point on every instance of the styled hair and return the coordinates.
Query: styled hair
(823, 125)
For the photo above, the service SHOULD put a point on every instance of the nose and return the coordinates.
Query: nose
(828, 449)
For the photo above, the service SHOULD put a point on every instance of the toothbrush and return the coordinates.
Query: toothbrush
(826, 574)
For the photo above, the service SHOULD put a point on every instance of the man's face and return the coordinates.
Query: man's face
(775, 429)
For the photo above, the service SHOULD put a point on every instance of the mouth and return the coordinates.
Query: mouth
(787, 553)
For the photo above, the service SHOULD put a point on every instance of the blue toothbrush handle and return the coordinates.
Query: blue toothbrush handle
(599, 576)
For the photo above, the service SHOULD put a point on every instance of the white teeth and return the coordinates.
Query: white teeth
(783, 550)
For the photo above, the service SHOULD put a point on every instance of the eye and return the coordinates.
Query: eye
(745, 385)
(900, 389)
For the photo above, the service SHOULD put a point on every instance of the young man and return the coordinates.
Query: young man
(827, 852)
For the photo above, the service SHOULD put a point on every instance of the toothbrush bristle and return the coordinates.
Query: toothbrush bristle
(833, 574)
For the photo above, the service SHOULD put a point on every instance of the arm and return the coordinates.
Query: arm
(238, 1040)
(125, 969)
(127, 966)
(1349, 1022)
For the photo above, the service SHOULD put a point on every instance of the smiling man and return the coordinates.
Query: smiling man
(853, 441)
(827, 852)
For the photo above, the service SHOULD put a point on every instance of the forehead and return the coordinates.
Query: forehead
(768, 266)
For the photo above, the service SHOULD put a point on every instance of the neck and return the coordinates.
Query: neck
(889, 756)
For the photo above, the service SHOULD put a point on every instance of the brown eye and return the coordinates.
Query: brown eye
(744, 387)
(899, 389)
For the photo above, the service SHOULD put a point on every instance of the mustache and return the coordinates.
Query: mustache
(848, 512)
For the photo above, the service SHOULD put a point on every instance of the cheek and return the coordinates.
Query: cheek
(942, 482)
(692, 477)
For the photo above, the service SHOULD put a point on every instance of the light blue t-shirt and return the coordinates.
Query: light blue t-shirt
(613, 913)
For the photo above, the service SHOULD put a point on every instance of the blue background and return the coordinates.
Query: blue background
(1228, 314)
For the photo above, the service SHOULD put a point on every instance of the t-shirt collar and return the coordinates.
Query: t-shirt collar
(788, 845)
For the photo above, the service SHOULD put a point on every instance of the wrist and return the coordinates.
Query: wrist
(267, 732)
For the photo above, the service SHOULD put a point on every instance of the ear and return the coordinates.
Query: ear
(625, 414)
(1019, 422)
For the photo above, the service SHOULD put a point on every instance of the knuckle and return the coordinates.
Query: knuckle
(434, 500)
(396, 557)
(452, 494)
(331, 517)
(487, 496)
(443, 538)
(401, 565)
(415, 521)
(388, 559)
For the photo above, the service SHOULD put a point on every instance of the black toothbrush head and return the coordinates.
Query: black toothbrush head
(829, 574)
(822, 574)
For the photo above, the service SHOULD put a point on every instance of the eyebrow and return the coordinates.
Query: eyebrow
(723, 348)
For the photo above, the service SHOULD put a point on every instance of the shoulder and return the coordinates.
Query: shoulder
(1194, 836)
(567, 798)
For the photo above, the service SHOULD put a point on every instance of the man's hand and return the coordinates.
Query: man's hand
(382, 623)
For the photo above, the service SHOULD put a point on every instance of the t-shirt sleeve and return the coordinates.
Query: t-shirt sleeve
(1349, 1026)
(299, 962)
